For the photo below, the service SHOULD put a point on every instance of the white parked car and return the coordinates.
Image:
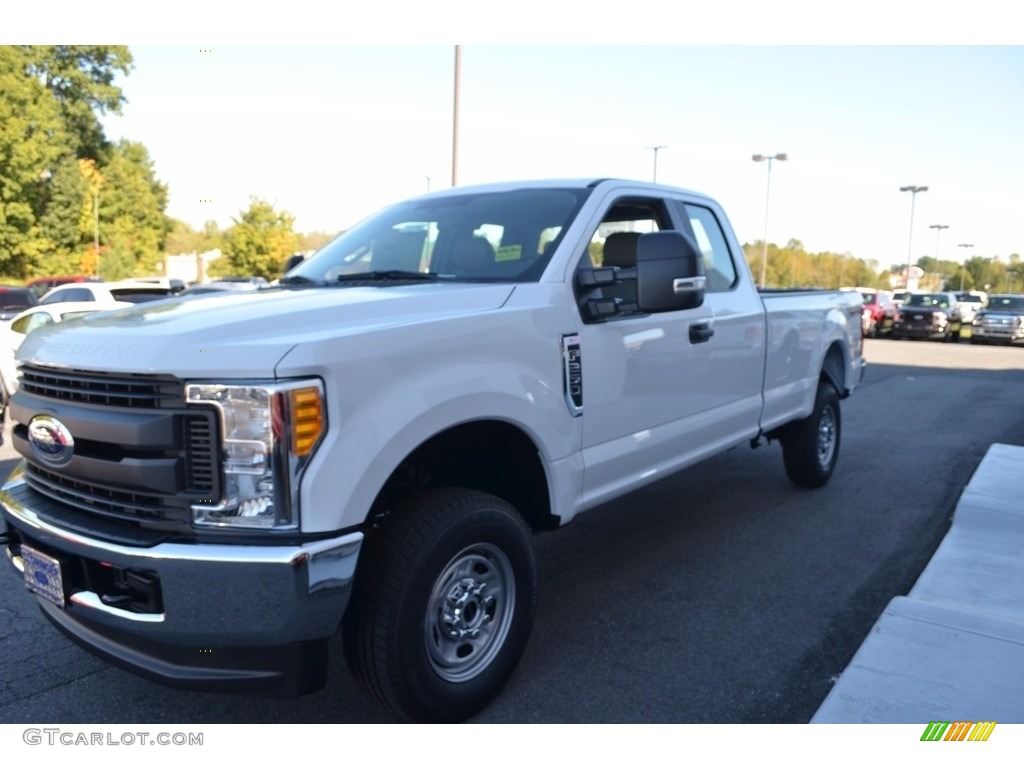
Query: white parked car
(109, 294)
(36, 317)
(970, 303)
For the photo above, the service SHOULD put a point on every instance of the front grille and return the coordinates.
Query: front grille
(104, 501)
(141, 453)
(117, 391)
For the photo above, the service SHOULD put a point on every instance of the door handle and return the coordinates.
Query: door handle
(701, 332)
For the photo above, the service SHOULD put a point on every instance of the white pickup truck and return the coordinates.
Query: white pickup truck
(214, 486)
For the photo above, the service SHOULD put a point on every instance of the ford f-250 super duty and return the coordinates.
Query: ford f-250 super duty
(367, 446)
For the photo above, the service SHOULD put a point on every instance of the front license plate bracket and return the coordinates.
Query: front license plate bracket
(43, 575)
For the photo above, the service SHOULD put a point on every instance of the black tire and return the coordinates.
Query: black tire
(810, 447)
(444, 605)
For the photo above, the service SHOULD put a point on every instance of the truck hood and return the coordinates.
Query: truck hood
(244, 334)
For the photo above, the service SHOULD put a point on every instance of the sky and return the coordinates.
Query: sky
(332, 132)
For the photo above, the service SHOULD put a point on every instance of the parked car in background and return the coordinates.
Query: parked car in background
(134, 291)
(15, 299)
(1000, 321)
(970, 302)
(40, 285)
(928, 315)
(172, 284)
(224, 286)
(31, 319)
(879, 310)
(898, 297)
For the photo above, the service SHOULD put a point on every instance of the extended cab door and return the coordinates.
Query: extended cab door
(738, 316)
(647, 379)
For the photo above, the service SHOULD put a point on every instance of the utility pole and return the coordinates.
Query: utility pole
(455, 116)
(656, 148)
(913, 190)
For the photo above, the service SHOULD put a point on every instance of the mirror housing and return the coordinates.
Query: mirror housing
(669, 272)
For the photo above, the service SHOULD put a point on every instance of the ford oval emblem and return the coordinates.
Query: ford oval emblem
(51, 441)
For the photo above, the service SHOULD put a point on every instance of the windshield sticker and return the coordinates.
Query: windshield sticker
(509, 253)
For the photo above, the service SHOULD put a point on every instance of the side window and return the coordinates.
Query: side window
(718, 263)
(70, 294)
(31, 322)
(18, 326)
(614, 244)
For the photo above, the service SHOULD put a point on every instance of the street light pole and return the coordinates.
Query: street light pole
(767, 197)
(455, 115)
(913, 190)
(938, 231)
(963, 267)
(656, 148)
(96, 226)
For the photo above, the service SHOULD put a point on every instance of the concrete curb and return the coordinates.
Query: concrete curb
(953, 649)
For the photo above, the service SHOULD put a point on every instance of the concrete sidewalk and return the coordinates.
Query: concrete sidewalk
(953, 649)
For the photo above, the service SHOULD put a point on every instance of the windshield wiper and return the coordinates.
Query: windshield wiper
(389, 274)
(299, 280)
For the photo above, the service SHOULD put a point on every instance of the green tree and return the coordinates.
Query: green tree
(33, 140)
(314, 241)
(793, 266)
(183, 239)
(133, 226)
(258, 243)
(61, 212)
(50, 101)
(80, 79)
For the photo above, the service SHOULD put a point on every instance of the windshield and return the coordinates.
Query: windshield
(927, 300)
(1005, 303)
(479, 236)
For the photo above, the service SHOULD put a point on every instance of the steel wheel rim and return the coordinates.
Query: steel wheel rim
(827, 436)
(469, 612)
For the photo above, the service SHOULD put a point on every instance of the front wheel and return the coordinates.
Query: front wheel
(444, 605)
(810, 447)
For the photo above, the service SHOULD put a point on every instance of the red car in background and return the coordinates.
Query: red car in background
(879, 310)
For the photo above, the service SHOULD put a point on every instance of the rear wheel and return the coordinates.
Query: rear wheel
(444, 605)
(810, 447)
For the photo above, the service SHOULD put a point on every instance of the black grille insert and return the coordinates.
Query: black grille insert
(113, 390)
(108, 502)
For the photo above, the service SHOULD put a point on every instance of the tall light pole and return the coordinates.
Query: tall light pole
(455, 115)
(963, 267)
(767, 197)
(938, 231)
(656, 148)
(96, 225)
(913, 190)
(428, 182)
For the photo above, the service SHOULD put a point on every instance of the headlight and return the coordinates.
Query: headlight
(269, 431)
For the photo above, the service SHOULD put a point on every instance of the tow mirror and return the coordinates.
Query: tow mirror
(669, 272)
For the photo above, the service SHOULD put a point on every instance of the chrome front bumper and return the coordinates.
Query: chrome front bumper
(231, 617)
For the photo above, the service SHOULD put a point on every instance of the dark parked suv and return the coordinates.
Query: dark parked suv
(15, 299)
(928, 315)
